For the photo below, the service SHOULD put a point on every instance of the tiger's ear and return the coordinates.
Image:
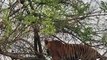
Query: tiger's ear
(46, 42)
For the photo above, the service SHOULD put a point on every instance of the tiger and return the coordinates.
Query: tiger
(63, 51)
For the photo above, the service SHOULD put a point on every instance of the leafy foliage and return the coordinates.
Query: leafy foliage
(7, 22)
(49, 27)
(80, 8)
(103, 6)
(29, 19)
(50, 17)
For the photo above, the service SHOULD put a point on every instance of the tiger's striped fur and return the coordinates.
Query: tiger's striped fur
(64, 51)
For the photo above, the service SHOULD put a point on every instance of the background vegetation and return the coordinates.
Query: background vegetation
(24, 24)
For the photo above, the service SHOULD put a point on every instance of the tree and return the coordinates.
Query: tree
(22, 18)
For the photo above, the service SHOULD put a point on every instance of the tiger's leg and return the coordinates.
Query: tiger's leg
(72, 58)
(87, 58)
(56, 58)
(93, 59)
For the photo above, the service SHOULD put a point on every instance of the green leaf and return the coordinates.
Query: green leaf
(48, 27)
(29, 19)
(7, 22)
(104, 38)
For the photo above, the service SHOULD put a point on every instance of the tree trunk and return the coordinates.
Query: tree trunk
(37, 43)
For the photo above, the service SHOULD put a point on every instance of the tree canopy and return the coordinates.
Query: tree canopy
(24, 24)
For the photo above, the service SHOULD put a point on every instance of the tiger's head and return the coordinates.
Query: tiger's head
(47, 46)
(52, 45)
